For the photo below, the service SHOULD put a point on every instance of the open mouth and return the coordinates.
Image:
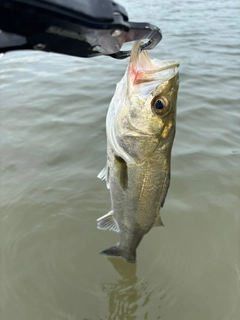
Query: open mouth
(144, 70)
(167, 64)
(145, 80)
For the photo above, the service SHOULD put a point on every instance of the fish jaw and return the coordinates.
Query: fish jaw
(144, 74)
(138, 131)
(133, 129)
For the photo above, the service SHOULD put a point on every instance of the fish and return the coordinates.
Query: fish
(140, 130)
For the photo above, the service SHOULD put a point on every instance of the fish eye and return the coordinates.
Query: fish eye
(161, 106)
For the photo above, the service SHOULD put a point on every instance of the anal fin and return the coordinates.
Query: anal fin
(107, 222)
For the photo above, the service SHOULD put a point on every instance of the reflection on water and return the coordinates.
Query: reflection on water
(125, 293)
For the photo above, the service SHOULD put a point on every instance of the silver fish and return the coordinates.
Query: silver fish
(140, 128)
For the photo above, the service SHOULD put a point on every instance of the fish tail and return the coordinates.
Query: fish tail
(115, 251)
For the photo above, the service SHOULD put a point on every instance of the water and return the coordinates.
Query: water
(52, 139)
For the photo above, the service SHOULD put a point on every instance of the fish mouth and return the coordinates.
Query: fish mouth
(142, 76)
(167, 64)
(165, 72)
(142, 69)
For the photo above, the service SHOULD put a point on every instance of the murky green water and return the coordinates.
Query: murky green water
(52, 146)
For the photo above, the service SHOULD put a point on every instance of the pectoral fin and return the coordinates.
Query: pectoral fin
(121, 172)
(107, 222)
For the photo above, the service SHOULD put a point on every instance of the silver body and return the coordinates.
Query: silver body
(139, 150)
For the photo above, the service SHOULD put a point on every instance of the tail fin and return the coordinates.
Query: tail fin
(115, 251)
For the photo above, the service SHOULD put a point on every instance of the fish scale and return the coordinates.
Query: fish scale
(140, 126)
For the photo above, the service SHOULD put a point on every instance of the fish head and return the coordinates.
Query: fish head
(146, 107)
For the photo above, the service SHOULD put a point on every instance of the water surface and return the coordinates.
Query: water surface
(52, 146)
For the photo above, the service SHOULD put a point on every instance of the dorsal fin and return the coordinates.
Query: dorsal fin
(168, 178)
(158, 222)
